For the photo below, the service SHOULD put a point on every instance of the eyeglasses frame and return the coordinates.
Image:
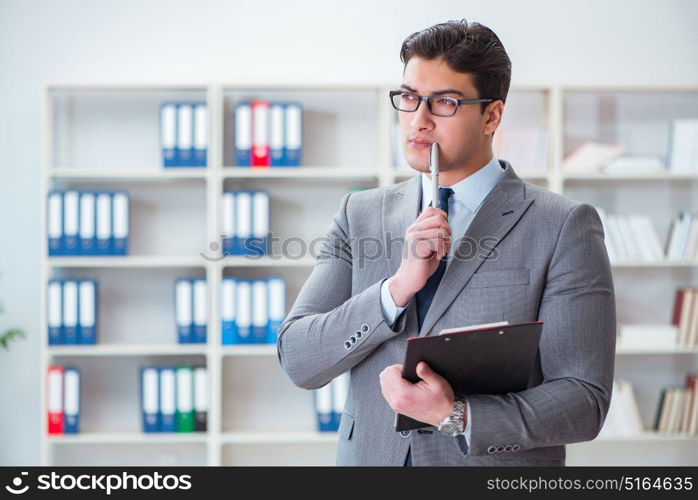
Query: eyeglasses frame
(427, 99)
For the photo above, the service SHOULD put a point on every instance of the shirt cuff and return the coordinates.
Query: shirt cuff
(390, 310)
(468, 428)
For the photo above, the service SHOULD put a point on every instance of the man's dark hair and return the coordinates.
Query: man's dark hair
(465, 48)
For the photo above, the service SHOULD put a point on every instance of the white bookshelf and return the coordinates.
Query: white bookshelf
(352, 147)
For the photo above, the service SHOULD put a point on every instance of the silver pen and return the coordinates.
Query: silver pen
(434, 168)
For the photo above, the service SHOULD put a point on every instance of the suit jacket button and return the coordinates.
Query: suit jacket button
(347, 345)
(405, 434)
(507, 448)
(500, 449)
(364, 328)
(515, 447)
(491, 449)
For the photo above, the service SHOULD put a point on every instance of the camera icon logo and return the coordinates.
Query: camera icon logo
(16, 487)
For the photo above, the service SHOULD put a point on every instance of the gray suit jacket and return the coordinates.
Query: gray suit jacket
(540, 256)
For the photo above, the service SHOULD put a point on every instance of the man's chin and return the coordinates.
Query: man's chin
(417, 164)
(419, 168)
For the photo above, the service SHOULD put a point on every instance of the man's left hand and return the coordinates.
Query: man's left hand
(430, 400)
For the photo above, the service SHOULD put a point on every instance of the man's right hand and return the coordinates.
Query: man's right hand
(427, 240)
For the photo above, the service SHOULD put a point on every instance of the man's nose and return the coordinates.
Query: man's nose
(422, 118)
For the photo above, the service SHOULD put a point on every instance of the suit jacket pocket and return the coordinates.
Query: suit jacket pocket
(500, 277)
(346, 426)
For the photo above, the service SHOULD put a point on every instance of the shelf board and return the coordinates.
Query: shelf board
(276, 437)
(127, 349)
(128, 175)
(627, 89)
(656, 176)
(127, 438)
(264, 261)
(267, 261)
(270, 350)
(128, 261)
(293, 86)
(249, 350)
(299, 437)
(645, 436)
(402, 174)
(258, 350)
(336, 173)
(127, 87)
(656, 350)
(660, 263)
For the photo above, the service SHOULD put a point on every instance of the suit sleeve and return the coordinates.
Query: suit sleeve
(577, 352)
(330, 328)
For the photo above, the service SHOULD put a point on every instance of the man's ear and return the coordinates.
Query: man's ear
(493, 116)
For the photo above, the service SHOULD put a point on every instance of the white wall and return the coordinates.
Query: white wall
(172, 41)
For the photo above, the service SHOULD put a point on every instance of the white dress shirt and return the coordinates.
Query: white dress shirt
(463, 204)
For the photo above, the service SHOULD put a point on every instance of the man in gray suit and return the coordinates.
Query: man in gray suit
(521, 253)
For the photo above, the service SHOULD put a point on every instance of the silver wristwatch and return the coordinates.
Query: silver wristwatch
(452, 425)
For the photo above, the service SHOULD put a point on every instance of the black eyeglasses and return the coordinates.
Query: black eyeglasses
(438, 105)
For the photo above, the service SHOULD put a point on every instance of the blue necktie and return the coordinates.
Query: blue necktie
(426, 294)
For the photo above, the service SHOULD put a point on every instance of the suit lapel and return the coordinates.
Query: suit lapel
(499, 213)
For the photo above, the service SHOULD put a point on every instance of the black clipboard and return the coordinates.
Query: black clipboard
(490, 360)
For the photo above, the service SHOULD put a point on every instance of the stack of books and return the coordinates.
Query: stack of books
(648, 337)
(190, 310)
(88, 223)
(63, 399)
(677, 411)
(685, 316)
(623, 417)
(72, 311)
(682, 243)
(329, 403)
(245, 223)
(681, 155)
(252, 310)
(683, 146)
(268, 134)
(174, 398)
(184, 134)
(630, 237)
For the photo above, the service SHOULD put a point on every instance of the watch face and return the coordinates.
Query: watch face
(449, 428)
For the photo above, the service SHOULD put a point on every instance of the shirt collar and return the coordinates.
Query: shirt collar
(472, 190)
